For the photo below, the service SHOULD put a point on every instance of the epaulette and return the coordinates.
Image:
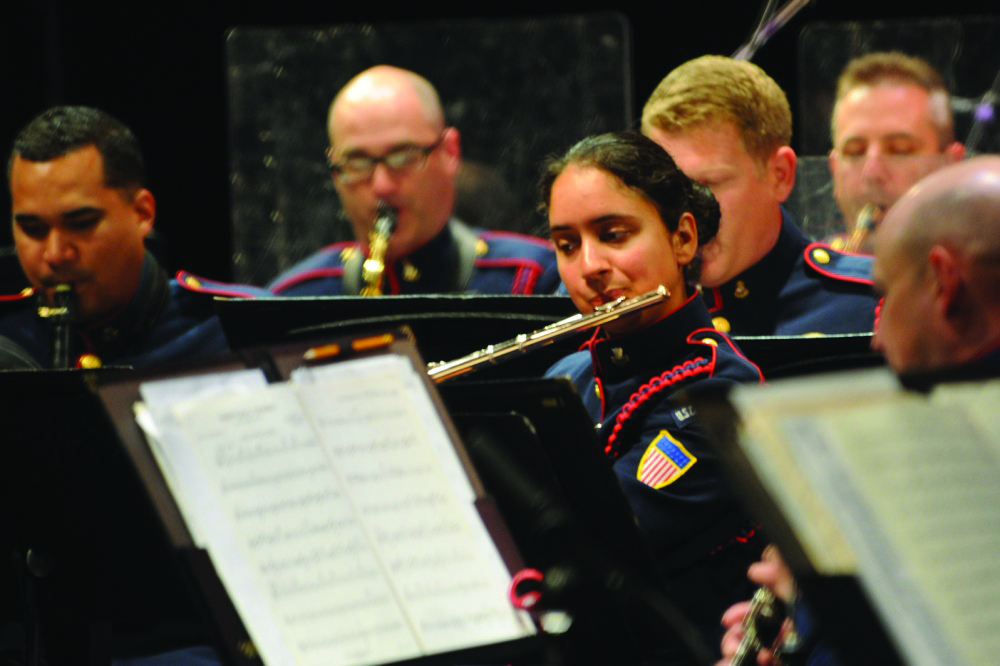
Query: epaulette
(205, 286)
(515, 239)
(21, 296)
(344, 251)
(842, 266)
(715, 338)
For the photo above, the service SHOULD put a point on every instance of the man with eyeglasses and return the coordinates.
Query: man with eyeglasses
(891, 126)
(389, 144)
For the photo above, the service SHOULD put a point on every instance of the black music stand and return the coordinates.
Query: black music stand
(87, 571)
(842, 606)
(449, 326)
(277, 363)
(794, 355)
(535, 448)
(445, 326)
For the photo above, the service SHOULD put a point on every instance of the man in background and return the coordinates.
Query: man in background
(390, 147)
(892, 124)
(80, 214)
(937, 268)
(728, 126)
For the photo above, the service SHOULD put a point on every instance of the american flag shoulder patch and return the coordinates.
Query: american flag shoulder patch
(665, 461)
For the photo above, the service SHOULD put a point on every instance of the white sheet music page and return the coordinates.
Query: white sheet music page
(170, 446)
(290, 551)
(916, 487)
(396, 462)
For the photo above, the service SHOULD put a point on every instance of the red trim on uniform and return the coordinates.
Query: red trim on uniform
(306, 276)
(389, 276)
(824, 271)
(337, 247)
(715, 335)
(716, 303)
(486, 235)
(748, 534)
(527, 272)
(589, 344)
(878, 314)
(212, 287)
(20, 296)
(675, 375)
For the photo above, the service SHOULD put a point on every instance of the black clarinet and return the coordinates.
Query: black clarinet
(60, 315)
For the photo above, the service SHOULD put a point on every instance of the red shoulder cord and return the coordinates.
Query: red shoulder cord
(676, 374)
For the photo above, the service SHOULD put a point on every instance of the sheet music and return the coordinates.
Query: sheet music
(914, 485)
(340, 528)
(765, 445)
(154, 415)
(294, 535)
(408, 484)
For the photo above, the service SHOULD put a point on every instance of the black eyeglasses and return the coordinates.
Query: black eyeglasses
(358, 168)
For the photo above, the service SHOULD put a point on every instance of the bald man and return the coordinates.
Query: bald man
(389, 143)
(937, 266)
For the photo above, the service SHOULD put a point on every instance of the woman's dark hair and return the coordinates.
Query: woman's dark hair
(646, 168)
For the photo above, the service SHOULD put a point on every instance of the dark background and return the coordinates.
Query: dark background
(160, 67)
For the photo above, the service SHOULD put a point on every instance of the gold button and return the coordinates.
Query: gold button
(27, 291)
(192, 282)
(711, 341)
(821, 256)
(721, 324)
(247, 649)
(741, 290)
(410, 272)
(597, 390)
(481, 248)
(347, 253)
(88, 362)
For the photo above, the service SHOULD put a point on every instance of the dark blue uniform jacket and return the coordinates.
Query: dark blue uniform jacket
(459, 259)
(664, 460)
(798, 288)
(164, 321)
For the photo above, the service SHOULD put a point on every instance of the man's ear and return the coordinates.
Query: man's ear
(144, 206)
(451, 148)
(955, 152)
(781, 172)
(833, 163)
(947, 280)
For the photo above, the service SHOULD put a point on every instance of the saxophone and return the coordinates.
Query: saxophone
(378, 243)
(868, 218)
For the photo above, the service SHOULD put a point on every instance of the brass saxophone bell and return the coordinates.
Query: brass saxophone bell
(378, 242)
(868, 219)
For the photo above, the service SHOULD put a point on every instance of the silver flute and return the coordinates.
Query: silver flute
(602, 314)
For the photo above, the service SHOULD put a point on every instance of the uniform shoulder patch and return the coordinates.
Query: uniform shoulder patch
(202, 285)
(838, 265)
(25, 293)
(664, 461)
